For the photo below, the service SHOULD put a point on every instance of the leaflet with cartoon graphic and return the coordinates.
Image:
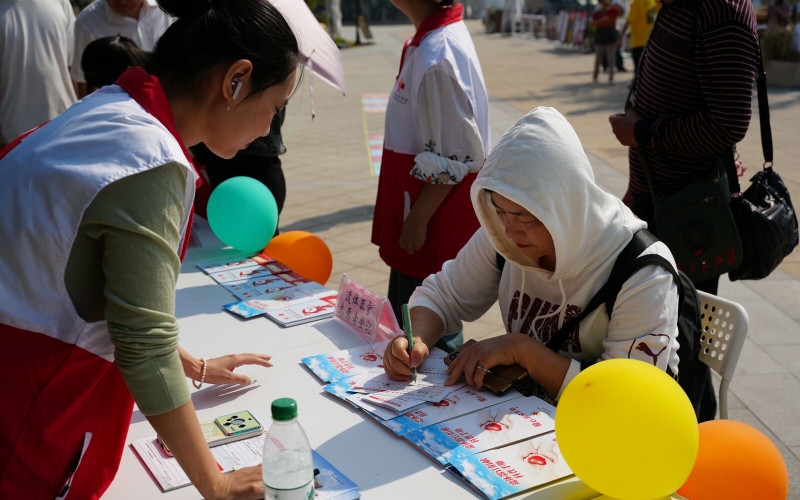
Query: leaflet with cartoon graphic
(304, 312)
(294, 278)
(218, 267)
(346, 363)
(250, 273)
(392, 401)
(428, 386)
(349, 362)
(368, 402)
(463, 401)
(514, 469)
(292, 295)
(489, 428)
(241, 274)
(333, 484)
(257, 287)
(234, 456)
(168, 473)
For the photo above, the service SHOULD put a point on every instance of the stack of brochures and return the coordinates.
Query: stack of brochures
(268, 287)
(498, 445)
(234, 456)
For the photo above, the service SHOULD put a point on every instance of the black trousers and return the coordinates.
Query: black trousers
(266, 169)
(637, 56)
(401, 286)
(645, 210)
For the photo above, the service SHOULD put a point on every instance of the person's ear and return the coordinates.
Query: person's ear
(237, 80)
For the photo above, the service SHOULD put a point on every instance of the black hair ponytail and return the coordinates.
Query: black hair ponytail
(209, 33)
(105, 59)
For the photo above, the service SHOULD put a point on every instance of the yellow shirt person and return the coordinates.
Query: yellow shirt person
(641, 16)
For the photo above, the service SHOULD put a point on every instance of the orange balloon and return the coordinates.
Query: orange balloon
(305, 253)
(736, 461)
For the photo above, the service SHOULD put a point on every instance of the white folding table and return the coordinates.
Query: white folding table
(383, 465)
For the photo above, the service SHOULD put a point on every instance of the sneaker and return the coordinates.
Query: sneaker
(611, 82)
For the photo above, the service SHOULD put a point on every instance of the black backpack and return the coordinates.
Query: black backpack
(694, 375)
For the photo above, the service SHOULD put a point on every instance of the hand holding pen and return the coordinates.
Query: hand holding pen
(409, 339)
(403, 355)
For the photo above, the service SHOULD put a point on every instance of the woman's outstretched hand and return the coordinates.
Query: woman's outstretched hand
(221, 370)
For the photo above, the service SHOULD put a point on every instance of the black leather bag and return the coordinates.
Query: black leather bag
(764, 214)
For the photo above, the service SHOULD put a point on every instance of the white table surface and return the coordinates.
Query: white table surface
(383, 465)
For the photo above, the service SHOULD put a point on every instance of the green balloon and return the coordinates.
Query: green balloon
(243, 213)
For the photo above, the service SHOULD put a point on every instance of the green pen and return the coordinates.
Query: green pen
(409, 337)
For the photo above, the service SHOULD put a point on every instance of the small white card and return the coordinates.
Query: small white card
(303, 312)
(426, 388)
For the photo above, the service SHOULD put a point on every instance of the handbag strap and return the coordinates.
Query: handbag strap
(766, 132)
(763, 113)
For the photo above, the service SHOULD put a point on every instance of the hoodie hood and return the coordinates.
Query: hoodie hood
(540, 164)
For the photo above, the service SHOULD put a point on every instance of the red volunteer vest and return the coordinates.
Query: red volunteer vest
(454, 222)
(66, 410)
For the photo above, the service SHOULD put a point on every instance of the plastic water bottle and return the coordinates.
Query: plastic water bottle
(288, 468)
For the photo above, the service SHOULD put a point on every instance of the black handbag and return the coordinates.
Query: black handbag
(696, 222)
(745, 234)
(764, 213)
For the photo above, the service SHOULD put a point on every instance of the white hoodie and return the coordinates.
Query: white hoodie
(540, 164)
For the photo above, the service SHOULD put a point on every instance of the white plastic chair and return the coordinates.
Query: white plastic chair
(724, 328)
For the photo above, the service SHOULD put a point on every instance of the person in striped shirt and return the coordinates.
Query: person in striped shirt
(693, 97)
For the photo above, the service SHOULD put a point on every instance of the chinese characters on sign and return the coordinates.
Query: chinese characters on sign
(365, 312)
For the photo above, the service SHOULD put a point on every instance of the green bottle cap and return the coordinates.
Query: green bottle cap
(284, 409)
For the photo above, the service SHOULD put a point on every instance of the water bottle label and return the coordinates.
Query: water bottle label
(305, 492)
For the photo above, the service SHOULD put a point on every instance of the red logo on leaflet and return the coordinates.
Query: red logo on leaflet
(534, 459)
(493, 426)
(400, 84)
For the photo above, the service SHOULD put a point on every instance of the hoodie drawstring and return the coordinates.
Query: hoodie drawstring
(557, 311)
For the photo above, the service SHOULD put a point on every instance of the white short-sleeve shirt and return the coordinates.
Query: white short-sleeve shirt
(35, 55)
(99, 20)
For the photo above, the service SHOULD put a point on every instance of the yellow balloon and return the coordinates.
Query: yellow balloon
(627, 430)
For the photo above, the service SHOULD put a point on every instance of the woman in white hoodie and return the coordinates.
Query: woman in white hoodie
(560, 234)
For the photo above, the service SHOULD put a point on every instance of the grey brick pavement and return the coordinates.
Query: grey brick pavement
(331, 191)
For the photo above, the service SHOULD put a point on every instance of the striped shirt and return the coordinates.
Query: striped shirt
(695, 89)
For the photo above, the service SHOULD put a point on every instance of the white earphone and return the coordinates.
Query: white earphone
(237, 86)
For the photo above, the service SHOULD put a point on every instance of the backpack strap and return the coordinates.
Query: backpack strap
(627, 264)
(501, 261)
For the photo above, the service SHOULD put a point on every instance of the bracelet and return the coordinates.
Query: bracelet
(203, 377)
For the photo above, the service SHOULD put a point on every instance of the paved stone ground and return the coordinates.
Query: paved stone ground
(331, 192)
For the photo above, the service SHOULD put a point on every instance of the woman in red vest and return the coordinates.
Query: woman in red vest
(436, 139)
(99, 202)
